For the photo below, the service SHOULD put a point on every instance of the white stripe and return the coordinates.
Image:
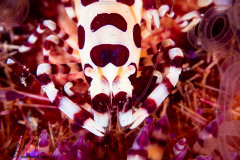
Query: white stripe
(68, 107)
(123, 117)
(67, 87)
(101, 119)
(53, 39)
(159, 93)
(93, 127)
(175, 52)
(70, 12)
(173, 78)
(50, 90)
(204, 3)
(50, 24)
(32, 39)
(43, 68)
(45, 52)
(175, 70)
(158, 75)
(39, 30)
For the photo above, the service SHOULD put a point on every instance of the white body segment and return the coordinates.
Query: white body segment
(109, 34)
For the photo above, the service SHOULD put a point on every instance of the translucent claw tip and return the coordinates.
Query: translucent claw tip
(138, 122)
(93, 127)
(138, 117)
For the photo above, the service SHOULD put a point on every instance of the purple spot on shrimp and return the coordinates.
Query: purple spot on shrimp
(103, 54)
(137, 35)
(109, 19)
(81, 37)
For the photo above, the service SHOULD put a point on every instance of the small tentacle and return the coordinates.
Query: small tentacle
(139, 148)
(43, 144)
(180, 150)
(158, 135)
(208, 137)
